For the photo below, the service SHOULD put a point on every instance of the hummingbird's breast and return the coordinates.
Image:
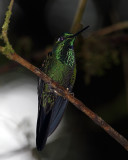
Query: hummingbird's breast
(60, 72)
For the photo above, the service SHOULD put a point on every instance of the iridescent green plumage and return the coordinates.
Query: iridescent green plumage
(60, 66)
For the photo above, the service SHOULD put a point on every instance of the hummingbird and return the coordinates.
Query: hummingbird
(60, 66)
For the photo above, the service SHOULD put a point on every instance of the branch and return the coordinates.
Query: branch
(79, 13)
(9, 53)
(6, 22)
(111, 29)
(64, 93)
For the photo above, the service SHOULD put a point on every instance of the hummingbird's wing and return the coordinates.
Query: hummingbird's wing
(43, 120)
(48, 121)
(42, 128)
(57, 113)
(59, 106)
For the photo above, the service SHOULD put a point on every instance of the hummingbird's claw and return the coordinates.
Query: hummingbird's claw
(70, 92)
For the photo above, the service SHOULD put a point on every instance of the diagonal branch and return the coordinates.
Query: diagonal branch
(64, 93)
(113, 28)
(9, 53)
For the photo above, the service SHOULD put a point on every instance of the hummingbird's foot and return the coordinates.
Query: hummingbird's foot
(70, 92)
(67, 89)
(53, 90)
(57, 92)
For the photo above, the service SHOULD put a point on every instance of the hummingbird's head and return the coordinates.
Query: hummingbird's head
(64, 48)
(67, 39)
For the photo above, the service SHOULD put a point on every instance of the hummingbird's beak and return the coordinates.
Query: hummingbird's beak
(76, 34)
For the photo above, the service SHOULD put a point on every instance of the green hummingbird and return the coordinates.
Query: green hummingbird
(60, 66)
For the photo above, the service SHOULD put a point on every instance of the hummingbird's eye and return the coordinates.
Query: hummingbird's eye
(60, 38)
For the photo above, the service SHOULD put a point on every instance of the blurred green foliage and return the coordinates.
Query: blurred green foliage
(96, 55)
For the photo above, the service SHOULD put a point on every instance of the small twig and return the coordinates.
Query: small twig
(79, 13)
(6, 23)
(9, 53)
(112, 28)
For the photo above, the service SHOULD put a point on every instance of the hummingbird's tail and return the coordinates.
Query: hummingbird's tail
(42, 128)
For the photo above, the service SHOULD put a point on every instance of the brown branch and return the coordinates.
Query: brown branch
(79, 13)
(111, 29)
(64, 93)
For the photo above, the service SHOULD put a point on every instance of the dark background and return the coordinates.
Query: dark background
(34, 27)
